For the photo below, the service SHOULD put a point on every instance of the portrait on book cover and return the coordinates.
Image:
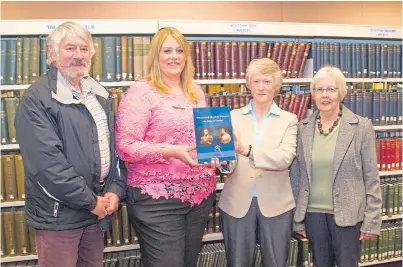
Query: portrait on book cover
(206, 138)
(223, 135)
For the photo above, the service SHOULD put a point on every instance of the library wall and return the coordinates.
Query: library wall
(379, 13)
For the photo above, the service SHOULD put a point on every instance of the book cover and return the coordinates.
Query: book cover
(214, 135)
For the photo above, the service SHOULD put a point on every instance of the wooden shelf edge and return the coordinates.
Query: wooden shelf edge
(380, 262)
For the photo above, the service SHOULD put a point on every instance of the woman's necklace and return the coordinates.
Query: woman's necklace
(335, 123)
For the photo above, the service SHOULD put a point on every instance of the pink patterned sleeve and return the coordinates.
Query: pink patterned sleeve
(132, 120)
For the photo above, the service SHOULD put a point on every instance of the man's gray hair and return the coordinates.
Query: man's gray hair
(71, 30)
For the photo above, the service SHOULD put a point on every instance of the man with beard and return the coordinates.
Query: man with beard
(73, 179)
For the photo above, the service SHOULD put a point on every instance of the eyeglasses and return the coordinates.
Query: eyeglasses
(329, 90)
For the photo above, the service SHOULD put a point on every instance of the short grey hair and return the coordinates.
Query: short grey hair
(71, 30)
(265, 66)
(331, 72)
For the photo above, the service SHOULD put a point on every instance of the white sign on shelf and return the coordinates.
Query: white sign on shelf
(243, 28)
(383, 32)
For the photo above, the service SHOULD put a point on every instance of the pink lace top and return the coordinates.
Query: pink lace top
(147, 120)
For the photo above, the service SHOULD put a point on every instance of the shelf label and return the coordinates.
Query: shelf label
(243, 28)
(382, 32)
(51, 27)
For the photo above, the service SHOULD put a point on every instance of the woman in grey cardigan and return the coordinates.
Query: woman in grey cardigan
(335, 176)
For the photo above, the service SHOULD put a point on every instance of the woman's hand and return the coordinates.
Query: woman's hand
(239, 147)
(180, 152)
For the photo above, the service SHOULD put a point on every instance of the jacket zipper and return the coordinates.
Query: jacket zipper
(55, 209)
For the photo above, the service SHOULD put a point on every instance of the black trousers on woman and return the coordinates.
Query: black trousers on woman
(331, 244)
(169, 231)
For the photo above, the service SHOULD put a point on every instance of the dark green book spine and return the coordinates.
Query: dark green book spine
(4, 125)
(19, 59)
(11, 60)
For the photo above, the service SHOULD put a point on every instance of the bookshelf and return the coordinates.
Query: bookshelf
(221, 81)
(380, 262)
(212, 30)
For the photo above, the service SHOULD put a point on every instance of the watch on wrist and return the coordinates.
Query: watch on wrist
(250, 149)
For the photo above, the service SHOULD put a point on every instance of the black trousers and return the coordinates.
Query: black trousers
(332, 244)
(170, 233)
(241, 235)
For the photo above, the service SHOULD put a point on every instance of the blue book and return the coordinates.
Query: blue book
(214, 135)
(376, 113)
(3, 73)
(118, 61)
(337, 55)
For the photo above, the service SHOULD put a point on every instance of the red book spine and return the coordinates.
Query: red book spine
(298, 60)
(248, 51)
(297, 104)
(281, 54)
(378, 152)
(242, 101)
(210, 59)
(234, 61)
(398, 154)
(227, 60)
(242, 60)
(276, 51)
(302, 67)
(253, 51)
(301, 106)
(192, 50)
(286, 103)
(262, 49)
(219, 60)
(281, 102)
(305, 108)
(198, 61)
(204, 60)
(287, 58)
(292, 103)
(392, 142)
(292, 59)
(269, 50)
(388, 154)
(237, 101)
(383, 154)
(222, 100)
(230, 101)
(208, 100)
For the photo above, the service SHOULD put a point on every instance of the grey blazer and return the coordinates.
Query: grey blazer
(356, 185)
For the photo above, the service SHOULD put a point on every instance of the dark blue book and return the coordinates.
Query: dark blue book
(364, 61)
(343, 58)
(359, 103)
(349, 61)
(376, 115)
(388, 105)
(378, 60)
(382, 108)
(108, 59)
(390, 60)
(11, 60)
(353, 101)
(354, 59)
(337, 55)
(399, 61)
(3, 73)
(214, 134)
(366, 104)
(346, 100)
(322, 55)
(118, 61)
(332, 60)
(371, 60)
(358, 67)
(384, 61)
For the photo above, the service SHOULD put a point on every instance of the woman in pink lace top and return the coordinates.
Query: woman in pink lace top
(169, 195)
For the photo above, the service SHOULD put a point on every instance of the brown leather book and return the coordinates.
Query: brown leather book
(307, 100)
(123, 40)
(292, 59)
(8, 166)
(222, 100)
(108, 237)
(303, 63)
(10, 234)
(227, 60)
(298, 60)
(242, 101)
(34, 59)
(262, 49)
(235, 60)
(146, 48)
(287, 58)
(32, 243)
(137, 58)
(281, 102)
(19, 173)
(248, 53)
(208, 100)
(297, 104)
(192, 51)
(242, 59)
(276, 51)
(286, 103)
(301, 106)
(248, 98)
(203, 60)
(281, 54)
(253, 51)
(210, 59)
(269, 50)
(215, 101)
(219, 60)
(198, 70)
(291, 103)
(230, 101)
(21, 230)
(117, 228)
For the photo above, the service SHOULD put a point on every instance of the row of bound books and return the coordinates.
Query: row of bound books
(116, 58)
(229, 59)
(359, 60)
(391, 191)
(389, 150)
(382, 107)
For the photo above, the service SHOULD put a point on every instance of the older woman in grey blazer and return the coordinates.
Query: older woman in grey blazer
(335, 176)
(257, 200)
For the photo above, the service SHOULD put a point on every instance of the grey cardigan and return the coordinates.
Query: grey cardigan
(356, 185)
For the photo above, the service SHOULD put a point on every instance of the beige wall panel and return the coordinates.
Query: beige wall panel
(374, 13)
